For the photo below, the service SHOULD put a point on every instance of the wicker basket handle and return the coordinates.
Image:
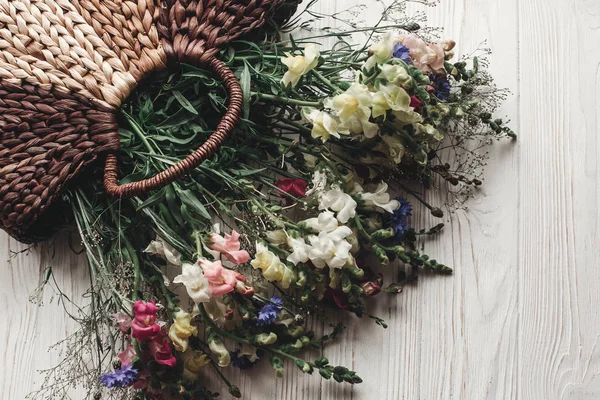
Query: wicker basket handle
(174, 172)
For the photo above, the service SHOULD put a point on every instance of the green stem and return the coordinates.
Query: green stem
(327, 82)
(198, 244)
(208, 321)
(137, 129)
(287, 100)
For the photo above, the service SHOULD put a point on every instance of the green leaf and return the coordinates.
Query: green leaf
(246, 172)
(246, 89)
(184, 102)
(188, 197)
(152, 200)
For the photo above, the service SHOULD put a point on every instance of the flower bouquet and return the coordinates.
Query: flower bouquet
(304, 209)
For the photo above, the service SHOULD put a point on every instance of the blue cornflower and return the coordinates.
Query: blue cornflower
(405, 209)
(403, 53)
(268, 312)
(442, 87)
(398, 218)
(120, 378)
(243, 362)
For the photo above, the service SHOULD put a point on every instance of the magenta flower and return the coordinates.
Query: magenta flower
(160, 350)
(293, 187)
(143, 326)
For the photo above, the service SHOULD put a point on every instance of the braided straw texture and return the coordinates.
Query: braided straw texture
(196, 30)
(66, 67)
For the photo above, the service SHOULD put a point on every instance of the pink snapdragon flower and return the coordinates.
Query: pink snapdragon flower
(229, 246)
(144, 326)
(220, 280)
(241, 288)
(126, 356)
(123, 321)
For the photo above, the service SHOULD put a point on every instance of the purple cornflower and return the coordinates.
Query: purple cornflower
(403, 53)
(120, 378)
(398, 218)
(268, 312)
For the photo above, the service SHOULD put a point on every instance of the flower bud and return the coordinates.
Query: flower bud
(394, 289)
(381, 254)
(383, 234)
(295, 331)
(371, 288)
(305, 340)
(437, 212)
(346, 284)
(276, 237)
(448, 45)
(355, 272)
(334, 276)
(398, 250)
(265, 339)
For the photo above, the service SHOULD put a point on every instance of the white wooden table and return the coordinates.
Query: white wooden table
(519, 319)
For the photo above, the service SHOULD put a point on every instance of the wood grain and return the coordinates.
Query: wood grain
(519, 318)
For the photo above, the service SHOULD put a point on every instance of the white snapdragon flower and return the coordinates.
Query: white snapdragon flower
(217, 347)
(342, 203)
(430, 131)
(324, 222)
(331, 248)
(392, 97)
(396, 74)
(299, 65)
(353, 109)
(381, 199)
(164, 250)
(395, 148)
(248, 351)
(271, 266)
(219, 312)
(323, 124)
(382, 50)
(278, 236)
(195, 283)
(300, 251)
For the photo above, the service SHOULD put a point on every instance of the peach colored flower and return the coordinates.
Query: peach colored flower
(229, 246)
(425, 56)
(220, 280)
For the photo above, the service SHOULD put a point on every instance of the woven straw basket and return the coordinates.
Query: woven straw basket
(67, 66)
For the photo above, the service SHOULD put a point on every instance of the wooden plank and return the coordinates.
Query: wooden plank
(519, 318)
(559, 336)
